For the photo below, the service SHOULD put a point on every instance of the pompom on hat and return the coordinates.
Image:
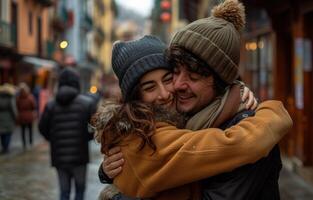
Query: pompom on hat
(216, 39)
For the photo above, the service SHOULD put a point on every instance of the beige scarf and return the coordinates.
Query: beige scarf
(221, 109)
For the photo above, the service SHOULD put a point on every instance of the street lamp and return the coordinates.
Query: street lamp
(63, 44)
(93, 89)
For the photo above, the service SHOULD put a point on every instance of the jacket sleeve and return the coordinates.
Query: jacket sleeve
(103, 177)
(44, 122)
(184, 156)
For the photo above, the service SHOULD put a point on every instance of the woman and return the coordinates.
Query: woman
(26, 106)
(152, 145)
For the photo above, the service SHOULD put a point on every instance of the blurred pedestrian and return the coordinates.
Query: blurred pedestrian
(8, 114)
(64, 123)
(26, 106)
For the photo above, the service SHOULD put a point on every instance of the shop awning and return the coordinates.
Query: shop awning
(40, 62)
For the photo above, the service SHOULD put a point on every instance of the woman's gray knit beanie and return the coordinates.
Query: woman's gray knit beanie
(132, 59)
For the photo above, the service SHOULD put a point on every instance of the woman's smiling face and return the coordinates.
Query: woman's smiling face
(157, 87)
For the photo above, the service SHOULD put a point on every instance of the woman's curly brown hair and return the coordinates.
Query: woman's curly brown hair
(114, 122)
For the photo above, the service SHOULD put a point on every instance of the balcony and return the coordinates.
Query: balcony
(7, 34)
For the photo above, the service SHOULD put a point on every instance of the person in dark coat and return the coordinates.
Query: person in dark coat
(26, 106)
(64, 123)
(8, 114)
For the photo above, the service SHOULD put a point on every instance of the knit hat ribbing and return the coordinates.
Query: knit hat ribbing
(216, 39)
(132, 59)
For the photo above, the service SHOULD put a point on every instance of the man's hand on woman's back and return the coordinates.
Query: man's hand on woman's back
(112, 164)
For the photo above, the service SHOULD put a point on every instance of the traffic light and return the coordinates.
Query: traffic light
(165, 11)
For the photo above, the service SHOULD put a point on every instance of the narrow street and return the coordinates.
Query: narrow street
(27, 175)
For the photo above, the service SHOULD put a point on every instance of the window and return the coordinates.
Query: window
(259, 63)
(30, 23)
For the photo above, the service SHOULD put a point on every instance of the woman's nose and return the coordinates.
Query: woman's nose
(164, 93)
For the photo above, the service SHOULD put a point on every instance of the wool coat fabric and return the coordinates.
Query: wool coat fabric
(210, 151)
(26, 106)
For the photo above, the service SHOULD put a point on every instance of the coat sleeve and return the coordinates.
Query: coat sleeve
(184, 156)
(44, 122)
(103, 177)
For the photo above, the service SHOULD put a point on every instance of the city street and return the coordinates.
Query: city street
(107, 49)
(27, 175)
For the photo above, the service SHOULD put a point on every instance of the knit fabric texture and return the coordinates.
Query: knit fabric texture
(216, 42)
(132, 59)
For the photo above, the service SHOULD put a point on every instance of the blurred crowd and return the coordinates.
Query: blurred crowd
(18, 106)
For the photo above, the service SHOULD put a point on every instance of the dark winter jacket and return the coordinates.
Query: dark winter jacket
(258, 181)
(26, 106)
(64, 123)
(8, 110)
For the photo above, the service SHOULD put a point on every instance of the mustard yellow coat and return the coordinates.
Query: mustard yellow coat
(185, 156)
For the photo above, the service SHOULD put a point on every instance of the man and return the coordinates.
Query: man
(64, 123)
(205, 56)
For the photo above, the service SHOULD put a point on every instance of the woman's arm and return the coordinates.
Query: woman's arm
(184, 156)
(111, 167)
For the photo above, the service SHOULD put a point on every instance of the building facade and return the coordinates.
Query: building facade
(277, 58)
(25, 39)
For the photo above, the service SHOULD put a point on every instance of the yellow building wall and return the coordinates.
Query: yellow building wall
(105, 22)
(27, 42)
(107, 27)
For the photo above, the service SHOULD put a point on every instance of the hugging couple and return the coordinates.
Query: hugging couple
(186, 127)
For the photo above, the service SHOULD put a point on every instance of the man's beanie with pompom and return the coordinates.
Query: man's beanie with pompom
(132, 59)
(216, 39)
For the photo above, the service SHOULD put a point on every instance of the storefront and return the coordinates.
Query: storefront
(277, 63)
(258, 65)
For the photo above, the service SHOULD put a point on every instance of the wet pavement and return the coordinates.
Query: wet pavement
(27, 175)
(293, 187)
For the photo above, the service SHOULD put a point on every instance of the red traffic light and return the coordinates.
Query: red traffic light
(165, 4)
(165, 17)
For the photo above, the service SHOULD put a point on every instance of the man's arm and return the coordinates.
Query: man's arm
(103, 177)
(111, 165)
